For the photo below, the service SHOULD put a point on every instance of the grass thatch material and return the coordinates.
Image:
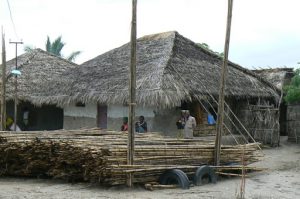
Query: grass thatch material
(38, 68)
(277, 76)
(170, 69)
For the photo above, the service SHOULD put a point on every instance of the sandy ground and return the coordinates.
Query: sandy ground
(281, 180)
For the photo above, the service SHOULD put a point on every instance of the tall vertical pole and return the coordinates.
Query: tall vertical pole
(224, 72)
(132, 87)
(3, 86)
(16, 85)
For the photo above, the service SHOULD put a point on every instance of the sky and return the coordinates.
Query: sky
(264, 34)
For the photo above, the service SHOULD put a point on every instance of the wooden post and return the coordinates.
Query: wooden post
(16, 85)
(224, 71)
(132, 87)
(3, 86)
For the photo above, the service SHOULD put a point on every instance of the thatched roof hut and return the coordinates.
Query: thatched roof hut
(170, 69)
(37, 68)
(279, 77)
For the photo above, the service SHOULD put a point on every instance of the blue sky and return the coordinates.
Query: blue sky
(265, 33)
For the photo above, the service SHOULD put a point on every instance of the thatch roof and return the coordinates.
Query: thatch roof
(277, 76)
(170, 69)
(37, 68)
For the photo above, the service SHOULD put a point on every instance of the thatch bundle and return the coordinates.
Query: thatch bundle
(94, 155)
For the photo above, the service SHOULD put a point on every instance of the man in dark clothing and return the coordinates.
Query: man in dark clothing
(141, 125)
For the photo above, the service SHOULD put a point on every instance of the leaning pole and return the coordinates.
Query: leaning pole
(224, 71)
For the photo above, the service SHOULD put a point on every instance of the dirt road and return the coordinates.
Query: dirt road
(281, 180)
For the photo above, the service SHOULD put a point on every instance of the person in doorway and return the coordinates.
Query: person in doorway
(141, 125)
(180, 125)
(10, 125)
(190, 124)
(124, 127)
(25, 118)
(210, 119)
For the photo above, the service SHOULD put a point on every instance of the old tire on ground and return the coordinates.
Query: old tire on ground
(175, 176)
(203, 174)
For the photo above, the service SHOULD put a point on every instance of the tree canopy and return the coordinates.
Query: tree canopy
(293, 89)
(55, 48)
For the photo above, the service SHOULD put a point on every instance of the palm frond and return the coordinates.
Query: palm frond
(57, 46)
(73, 55)
(29, 49)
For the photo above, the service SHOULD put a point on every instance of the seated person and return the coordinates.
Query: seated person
(10, 125)
(141, 125)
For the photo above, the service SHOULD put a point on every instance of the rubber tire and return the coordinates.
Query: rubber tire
(204, 171)
(175, 175)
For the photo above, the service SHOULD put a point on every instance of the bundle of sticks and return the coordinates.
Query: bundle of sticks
(100, 156)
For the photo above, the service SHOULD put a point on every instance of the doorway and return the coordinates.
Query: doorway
(102, 116)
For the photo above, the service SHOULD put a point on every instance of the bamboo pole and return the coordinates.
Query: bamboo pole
(224, 72)
(132, 87)
(16, 85)
(89, 157)
(3, 89)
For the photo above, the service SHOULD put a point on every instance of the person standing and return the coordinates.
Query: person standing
(141, 125)
(180, 125)
(190, 125)
(124, 126)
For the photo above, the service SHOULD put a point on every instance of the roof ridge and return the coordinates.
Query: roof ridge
(157, 35)
(53, 55)
(169, 55)
(232, 64)
(273, 69)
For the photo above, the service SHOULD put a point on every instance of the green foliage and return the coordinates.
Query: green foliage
(293, 90)
(55, 48)
(73, 55)
(28, 49)
(206, 47)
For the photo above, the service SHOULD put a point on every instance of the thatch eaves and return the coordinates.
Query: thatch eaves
(170, 69)
(37, 68)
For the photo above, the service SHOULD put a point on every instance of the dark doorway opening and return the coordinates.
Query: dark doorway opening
(283, 119)
(46, 117)
(102, 116)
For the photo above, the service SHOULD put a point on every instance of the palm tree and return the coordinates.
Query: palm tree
(56, 48)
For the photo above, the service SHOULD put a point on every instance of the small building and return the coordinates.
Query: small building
(293, 122)
(37, 68)
(173, 73)
(280, 77)
(289, 112)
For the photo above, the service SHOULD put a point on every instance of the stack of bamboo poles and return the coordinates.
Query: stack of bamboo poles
(100, 156)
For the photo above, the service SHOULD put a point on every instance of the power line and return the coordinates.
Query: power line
(11, 18)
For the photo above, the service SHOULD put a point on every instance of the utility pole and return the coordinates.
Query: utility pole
(16, 84)
(224, 72)
(3, 86)
(132, 87)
